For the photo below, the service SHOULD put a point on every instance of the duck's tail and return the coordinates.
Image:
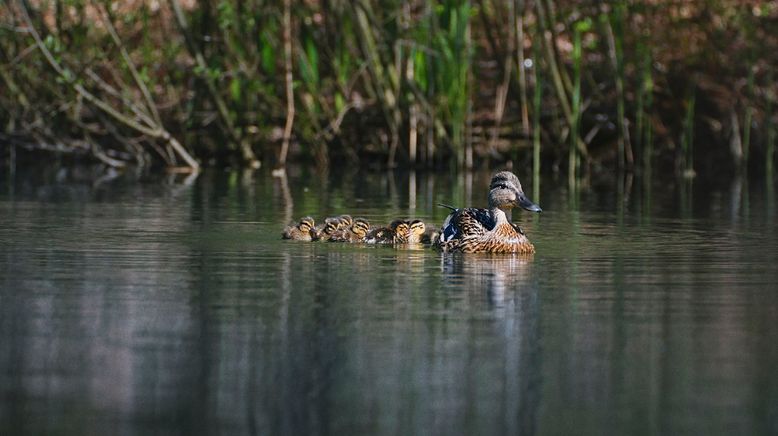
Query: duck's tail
(448, 207)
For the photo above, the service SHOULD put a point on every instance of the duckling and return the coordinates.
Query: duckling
(323, 231)
(302, 231)
(345, 221)
(431, 235)
(356, 233)
(416, 230)
(471, 230)
(396, 233)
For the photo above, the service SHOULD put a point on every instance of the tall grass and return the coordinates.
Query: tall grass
(387, 82)
(687, 138)
(452, 63)
(644, 129)
(747, 118)
(770, 141)
(615, 23)
(575, 135)
(537, 97)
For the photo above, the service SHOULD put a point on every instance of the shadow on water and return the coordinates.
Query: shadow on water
(135, 307)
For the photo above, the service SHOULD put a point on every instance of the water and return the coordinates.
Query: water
(155, 307)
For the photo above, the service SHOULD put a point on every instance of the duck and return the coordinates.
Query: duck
(323, 231)
(345, 221)
(302, 231)
(473, 230)
(430, 236)
(416, 231)
(396, 233)
(355, 233)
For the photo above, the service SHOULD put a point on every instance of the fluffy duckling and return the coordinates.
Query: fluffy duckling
(324, 231)
(355, 233)
(416, 230)
(302, 231)
(431, 235)
(345, 221)
(396, 233)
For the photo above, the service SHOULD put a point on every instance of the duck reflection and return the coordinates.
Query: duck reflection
(495, 274)
(505, 284)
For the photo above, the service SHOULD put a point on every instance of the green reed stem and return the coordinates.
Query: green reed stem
(645, 133)
(576, 109)
(687, 141)
(615, 33)
(770, 146)
(640, 101)
(536, 99)
(747, 118)
(519, 23)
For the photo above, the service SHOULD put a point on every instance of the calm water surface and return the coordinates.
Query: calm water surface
(155, 307)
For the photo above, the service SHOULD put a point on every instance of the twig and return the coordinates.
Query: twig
(151, 106)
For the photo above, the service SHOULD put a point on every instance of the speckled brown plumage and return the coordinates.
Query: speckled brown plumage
(431, 235)
(397, 232)
(416, 229)
(355, 233)
(502, 239)
(323, 231)
(471, 230)
(302, 231)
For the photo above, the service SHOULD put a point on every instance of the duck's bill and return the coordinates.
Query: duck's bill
(526, 204)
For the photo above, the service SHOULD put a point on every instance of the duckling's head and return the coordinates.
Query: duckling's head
(306, 224)
(330, 225)
(505, 193)
(360, 227)
(417, 228)
(345, 221)
(399, 226)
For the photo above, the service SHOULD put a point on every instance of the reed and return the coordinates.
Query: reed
(643, 128)
(770, 140)
(687, 138)
(453, 63)
(393, 82)
(537, 97)
(747, 118)
(576, 102)
(520, 70)
(614, 28)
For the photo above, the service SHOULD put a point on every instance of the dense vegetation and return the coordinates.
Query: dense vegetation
(555, 83)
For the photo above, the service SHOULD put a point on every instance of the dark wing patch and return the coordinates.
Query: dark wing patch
(467, 222)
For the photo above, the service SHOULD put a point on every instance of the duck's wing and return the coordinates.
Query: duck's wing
(467, 222)
(518, 229)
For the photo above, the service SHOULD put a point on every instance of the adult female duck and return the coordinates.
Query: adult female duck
(471, 230)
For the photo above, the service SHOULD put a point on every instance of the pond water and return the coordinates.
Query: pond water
(172, 306)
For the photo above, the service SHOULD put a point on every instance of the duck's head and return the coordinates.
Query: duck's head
(345, 221)
(330, 225)
(360, 227)
(399, 226)
(306, 224)
(417, 228)
(505, 192)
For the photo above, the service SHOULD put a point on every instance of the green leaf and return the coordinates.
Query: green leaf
(235, 89)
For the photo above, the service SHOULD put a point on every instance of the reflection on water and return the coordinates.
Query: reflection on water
(174, 307)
